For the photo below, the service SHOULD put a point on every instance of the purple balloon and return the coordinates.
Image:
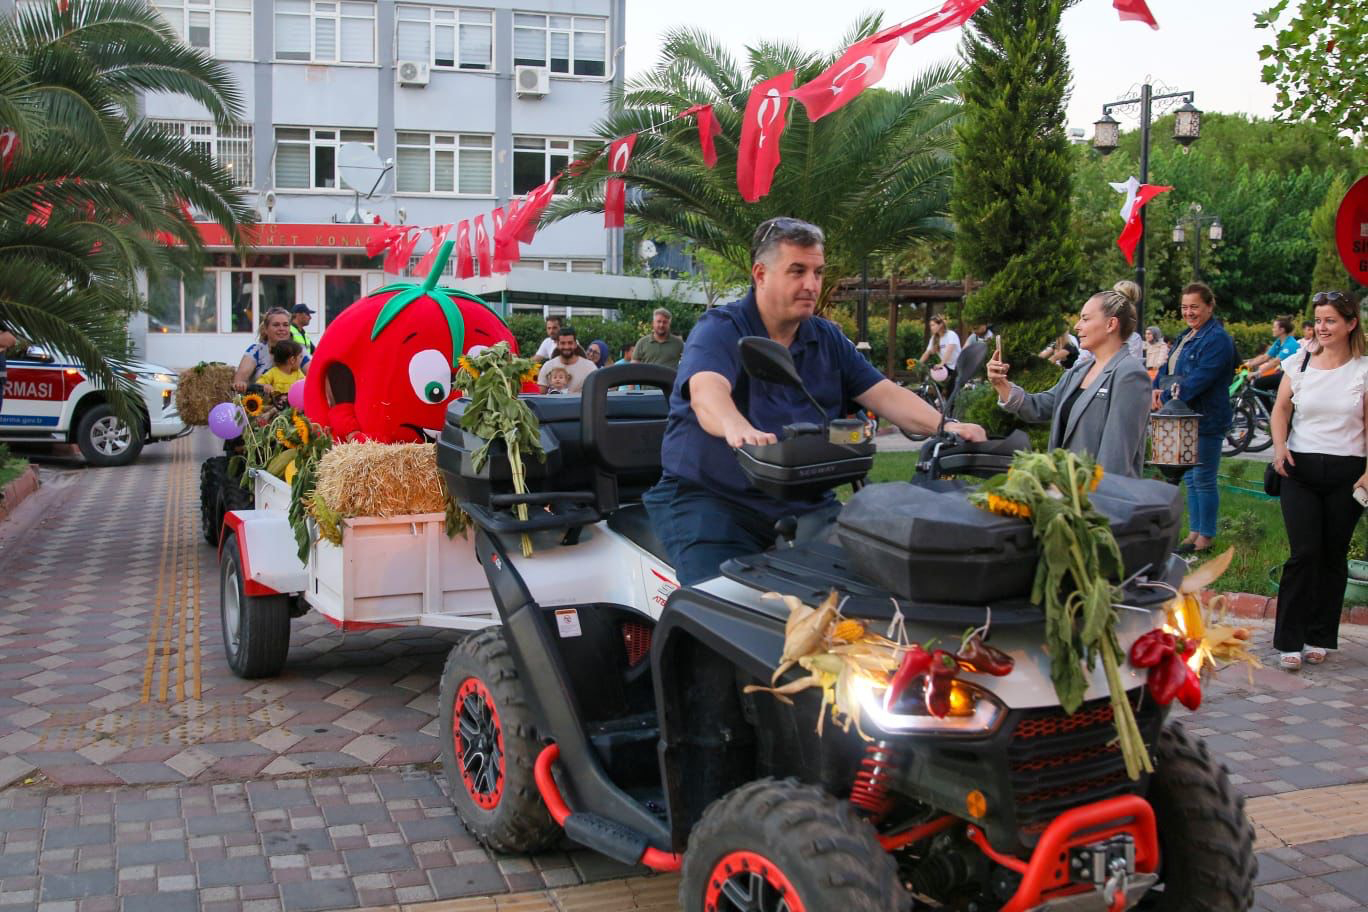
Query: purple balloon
(296, 396)
(227, 421)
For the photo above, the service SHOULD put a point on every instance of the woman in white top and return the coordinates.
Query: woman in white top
(944, 342)
(1322, 462)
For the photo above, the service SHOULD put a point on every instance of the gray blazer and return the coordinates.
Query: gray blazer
(1108, 420)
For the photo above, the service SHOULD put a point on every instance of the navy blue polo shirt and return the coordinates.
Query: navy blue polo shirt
(831, 369)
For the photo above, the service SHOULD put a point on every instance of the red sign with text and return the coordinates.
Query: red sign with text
(1351, 231)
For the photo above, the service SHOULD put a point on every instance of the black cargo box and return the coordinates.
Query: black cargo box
(931, 544)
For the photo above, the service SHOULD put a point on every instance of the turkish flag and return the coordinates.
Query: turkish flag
(439, 235)
(758, 154)
(1137, 195)
(708, 128)
(396, 261)
(615, 188)
(465, 264)
(383, 240)
(952, 15)
(482, 247)
(9, 147)
(861, 66)
(505, 245)
(524, 226)
(501, 263)
(1136, 11)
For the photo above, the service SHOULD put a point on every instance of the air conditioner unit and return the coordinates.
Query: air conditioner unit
(413, 72)
(531, 81)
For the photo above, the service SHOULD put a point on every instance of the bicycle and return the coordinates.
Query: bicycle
(1251, 411)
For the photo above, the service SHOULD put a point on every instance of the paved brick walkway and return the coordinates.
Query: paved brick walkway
(137, 772)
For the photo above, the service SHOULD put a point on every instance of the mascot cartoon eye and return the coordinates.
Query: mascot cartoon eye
(430, 374)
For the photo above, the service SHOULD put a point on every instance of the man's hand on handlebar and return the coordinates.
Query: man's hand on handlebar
(741, 432)
(970, 433)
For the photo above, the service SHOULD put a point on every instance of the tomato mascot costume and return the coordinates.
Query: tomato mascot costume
(383, 369)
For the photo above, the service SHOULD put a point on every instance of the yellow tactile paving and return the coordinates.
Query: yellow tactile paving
(1310, 815)
(175, 627)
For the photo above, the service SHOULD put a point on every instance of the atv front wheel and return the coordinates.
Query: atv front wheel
(489, 747)
(775, 845)
(1206, 843)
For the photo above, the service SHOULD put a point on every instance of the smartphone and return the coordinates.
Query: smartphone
(1361, 496)
(998, 354)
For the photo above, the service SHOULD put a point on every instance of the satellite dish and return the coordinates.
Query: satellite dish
(359, 168)
(647, 249)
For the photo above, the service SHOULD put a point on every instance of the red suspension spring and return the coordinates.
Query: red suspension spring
(870, 791)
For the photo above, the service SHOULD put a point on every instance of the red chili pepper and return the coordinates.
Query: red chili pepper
(1150, 649)
(915, 663)
(976, 655)
(944, 664)
(1188, 647)
(1190, 694)
(938, 688)
(1166, 678)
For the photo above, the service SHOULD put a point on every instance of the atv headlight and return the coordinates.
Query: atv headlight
(973, 710)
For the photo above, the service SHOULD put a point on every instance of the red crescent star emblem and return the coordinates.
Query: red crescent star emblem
(766, 113)
(621, 157)
(863, 66)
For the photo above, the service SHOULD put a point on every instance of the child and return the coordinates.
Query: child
(557, 380)
(287, 353)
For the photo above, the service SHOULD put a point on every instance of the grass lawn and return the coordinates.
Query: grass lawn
(1249, 521)
(11, 467)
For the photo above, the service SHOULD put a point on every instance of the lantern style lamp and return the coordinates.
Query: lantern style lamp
(1173, 435)
(1187, 124)
(1216, 232)
(1106, 134)
(1179, 235)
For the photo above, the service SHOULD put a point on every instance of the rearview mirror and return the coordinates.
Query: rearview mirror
(971, 360)
(767, 360)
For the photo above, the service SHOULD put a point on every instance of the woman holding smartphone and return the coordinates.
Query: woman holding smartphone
(1100, 406)
(1324, 487)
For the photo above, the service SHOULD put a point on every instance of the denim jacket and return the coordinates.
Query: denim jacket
(1204, 373)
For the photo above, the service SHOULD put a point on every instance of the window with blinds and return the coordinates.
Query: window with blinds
(569, 45)
(306, 158)
(450, 163)
(221, 27)
(325, 31)
(445, 37)
(230, 146)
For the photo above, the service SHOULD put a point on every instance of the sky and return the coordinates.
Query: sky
(1208, 46)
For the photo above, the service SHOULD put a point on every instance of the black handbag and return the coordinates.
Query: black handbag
(1272, 480)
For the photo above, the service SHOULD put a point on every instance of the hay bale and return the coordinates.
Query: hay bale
(381, 479)
(201, 388)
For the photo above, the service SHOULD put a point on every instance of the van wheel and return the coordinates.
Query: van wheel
(106, 439)
(1206, 842)
(256, 628)
(778, 844)
(489, 747)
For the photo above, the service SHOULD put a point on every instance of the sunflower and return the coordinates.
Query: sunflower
(283, 440)
(469, 367)
(301, 427)
(1096, 478)
(1004, 507)
(529, 375)
(911, 363)
(252, 404)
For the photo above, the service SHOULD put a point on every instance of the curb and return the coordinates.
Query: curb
(1251, 606)
(17, 490)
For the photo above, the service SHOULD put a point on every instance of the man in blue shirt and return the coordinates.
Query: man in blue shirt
(704, 510)
(1269, 364)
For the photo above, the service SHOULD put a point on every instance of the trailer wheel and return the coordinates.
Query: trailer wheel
(1206, 842)
(106, 439)
(774, 844)
(256, 628)
(219, 493)
(489, 747)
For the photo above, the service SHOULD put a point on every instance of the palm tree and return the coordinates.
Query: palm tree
(94, 193)
(875, 175)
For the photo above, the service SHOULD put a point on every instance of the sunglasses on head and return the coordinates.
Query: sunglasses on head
(783, 224)
(1329, 297)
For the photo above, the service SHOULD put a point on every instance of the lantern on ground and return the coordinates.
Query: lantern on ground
(1173, 436)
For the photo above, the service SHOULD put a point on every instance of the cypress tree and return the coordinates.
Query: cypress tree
(1013, 173)
(1329, 273)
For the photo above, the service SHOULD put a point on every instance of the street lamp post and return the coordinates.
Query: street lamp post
(1187, 127)
(1196, 219)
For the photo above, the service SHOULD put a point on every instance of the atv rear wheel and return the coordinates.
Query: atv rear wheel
(219, 493)
(489, 747)
(1206, 843)
(780, 846)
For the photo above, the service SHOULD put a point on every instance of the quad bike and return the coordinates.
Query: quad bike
(596, 713)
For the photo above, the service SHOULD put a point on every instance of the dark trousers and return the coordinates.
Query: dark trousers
(1320, 513)
(1269, 384)
(701, 531)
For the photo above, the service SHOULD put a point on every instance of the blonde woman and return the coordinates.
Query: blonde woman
(275, 327)
(944, 342)
(1321, 459)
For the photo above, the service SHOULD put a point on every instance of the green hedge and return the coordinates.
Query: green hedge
(911, 337)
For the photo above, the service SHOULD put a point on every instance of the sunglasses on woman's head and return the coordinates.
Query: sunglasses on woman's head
(1329, 297)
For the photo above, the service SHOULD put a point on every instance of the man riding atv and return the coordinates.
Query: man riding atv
(704, 510)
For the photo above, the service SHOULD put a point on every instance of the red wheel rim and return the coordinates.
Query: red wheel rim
(478, 736)
(748, 882)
